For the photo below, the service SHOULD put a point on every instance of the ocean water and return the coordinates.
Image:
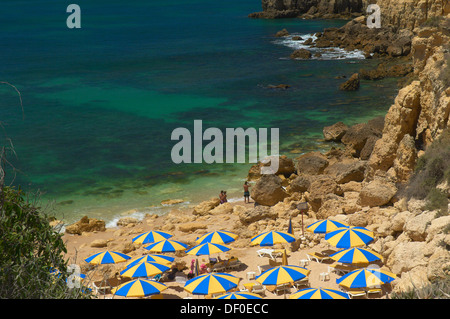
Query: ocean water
(100, 102)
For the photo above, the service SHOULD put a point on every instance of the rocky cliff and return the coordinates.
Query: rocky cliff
(273, 9)
(399, 13)
(409, 13)
(421, 109)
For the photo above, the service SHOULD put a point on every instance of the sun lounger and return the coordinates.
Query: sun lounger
(220, 266)
(180, 277)
(317, 256)
(371, 291)
(340, 269)
(101, 287)
(353, 292)
(263, 268)
(233, 264)
(302, 282)
(158, 296)
(258, 289)
(282, 288)
(272, 253)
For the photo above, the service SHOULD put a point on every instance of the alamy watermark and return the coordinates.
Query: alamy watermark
(374, 17)
(190, 148)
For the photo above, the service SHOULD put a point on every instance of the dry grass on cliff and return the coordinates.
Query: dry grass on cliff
(432, 169)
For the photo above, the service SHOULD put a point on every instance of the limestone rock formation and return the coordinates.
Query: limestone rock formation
(335, 132)
(311, 163)
(268, 190)
(206, 206)
(301, 54)
(351, 84)
(86, 224)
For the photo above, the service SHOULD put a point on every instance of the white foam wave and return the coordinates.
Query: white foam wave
(332, 53)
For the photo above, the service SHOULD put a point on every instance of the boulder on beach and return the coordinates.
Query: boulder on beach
(86, 224)
(268, 190)
(312, 163)
(206, 206)
(345, 172)
(247, 217)
(377, 193)
(335, 132)
(286, 167)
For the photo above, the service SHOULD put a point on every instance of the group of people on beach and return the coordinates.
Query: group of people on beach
(223, 194)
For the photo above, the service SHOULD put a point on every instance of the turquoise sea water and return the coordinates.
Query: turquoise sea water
(100, 102)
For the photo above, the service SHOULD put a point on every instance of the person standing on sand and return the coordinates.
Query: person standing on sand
(221, 197)
(224, 198)
(246, 193)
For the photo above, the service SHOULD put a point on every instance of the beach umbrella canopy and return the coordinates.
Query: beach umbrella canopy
(144, 269)
(366, 278)
(239, 295)
(160, 259)
(207, 249)
(212, 283)
(139, 288)
(151, 237)
(271, 238)
(217, 237)
(325, 226)
(282, 275)
(166, 246)
(107, 257)
(356, 255)
(347, 237)
(319, 293)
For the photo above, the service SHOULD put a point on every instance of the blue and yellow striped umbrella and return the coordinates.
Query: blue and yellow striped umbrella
(282, 275)
(207, 249)
(356, 255)
(107, 257)
(160, 259)
(319, 293)
(212, 283)
(239, 295)
(139, 288)
(366, 278)
(166, 246)
(217, 237)
(144, 269)
(151, 237)
(271, 238)
(325, 226)
(347, 237)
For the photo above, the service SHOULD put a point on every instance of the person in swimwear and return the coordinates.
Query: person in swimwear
(246, 193)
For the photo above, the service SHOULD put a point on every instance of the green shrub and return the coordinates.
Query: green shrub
(30, 249)
(432, 169)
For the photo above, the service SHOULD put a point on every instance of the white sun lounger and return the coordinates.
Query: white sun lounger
(265, 252)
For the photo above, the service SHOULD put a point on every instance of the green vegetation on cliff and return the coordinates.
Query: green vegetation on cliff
(31, 249)
(432, 170)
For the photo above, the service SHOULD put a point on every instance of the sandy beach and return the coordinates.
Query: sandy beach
(79, 248)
